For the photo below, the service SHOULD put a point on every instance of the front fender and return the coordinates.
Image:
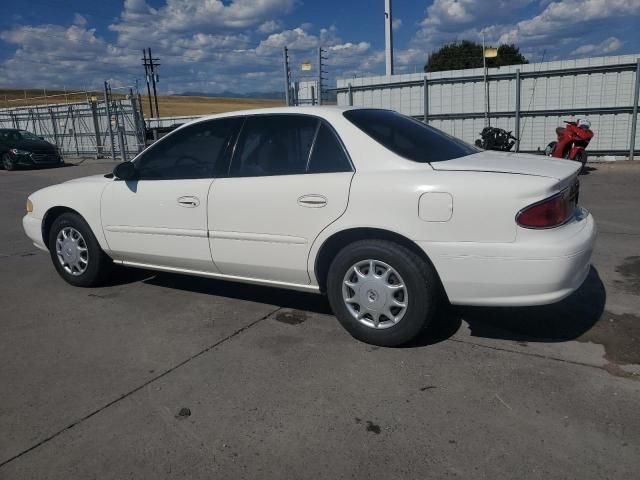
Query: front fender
(82, 197)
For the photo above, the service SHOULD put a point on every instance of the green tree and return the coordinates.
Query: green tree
(468, 54)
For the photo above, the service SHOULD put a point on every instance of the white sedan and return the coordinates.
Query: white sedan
(382, 213)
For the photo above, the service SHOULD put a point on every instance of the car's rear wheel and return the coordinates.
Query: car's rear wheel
(75, 252)
(381, 292)
(7, 162)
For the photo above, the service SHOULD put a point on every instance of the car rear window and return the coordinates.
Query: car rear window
(408, 137)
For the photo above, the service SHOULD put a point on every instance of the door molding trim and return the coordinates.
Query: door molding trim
(222, 276)
(179, 232)
(257, 237)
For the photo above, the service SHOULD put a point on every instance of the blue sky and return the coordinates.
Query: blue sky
(236, 45)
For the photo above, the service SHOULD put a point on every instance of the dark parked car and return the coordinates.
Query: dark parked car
(19, 147)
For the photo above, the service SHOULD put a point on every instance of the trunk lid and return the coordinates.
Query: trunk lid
(514, 163)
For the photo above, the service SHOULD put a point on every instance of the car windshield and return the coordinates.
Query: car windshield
(24, 135)
(15, 135)
(408, 137)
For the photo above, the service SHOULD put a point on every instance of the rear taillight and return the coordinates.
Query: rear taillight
(552, 212)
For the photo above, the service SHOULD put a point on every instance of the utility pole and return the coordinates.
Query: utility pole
(152, 78)
(287, 76)
(487, 123)
(107, 101)
(146, 76)
(320, 72)
(388, 38)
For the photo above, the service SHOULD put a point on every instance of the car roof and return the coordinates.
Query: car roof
(318, 111)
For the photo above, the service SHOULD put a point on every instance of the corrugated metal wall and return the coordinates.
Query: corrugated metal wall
(546, 99)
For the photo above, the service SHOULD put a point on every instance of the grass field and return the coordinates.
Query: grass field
(169, 106)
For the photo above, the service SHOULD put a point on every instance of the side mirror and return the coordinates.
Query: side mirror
(125, 171)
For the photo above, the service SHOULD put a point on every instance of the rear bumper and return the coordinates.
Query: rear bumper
(33, 228)
(540, 267)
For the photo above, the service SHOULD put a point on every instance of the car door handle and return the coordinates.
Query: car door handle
(188, 202)
(312, 201)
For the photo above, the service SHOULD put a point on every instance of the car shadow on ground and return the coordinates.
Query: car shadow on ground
(126, 275)
(559, 322)
(309, 302)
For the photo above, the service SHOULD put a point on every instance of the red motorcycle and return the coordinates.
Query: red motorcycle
(572, 141)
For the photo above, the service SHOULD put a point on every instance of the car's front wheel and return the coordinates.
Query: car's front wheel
(75, 252)
(381, 292)
(7, 162)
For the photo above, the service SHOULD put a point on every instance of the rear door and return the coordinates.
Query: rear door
(161, 218)
(289, 178)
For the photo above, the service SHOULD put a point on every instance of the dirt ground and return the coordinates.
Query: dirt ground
(169, 105)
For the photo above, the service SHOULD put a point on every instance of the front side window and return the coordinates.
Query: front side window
(195, 151)
(408, 137)
(274, 145)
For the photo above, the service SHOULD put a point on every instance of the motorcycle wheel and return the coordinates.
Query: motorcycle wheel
(582, 158)
(548, 151)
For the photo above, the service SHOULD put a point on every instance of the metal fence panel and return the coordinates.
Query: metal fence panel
(81, 129)
(600, 88)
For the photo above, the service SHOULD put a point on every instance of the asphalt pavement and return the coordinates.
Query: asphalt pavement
(167, 376)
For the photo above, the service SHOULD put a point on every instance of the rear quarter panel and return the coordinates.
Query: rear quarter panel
(484, 204)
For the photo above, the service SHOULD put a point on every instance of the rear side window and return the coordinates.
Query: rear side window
(328, 155)
(274, 145)
(408, 137)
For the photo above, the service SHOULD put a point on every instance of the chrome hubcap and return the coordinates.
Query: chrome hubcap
(72, 251)
(375, 294)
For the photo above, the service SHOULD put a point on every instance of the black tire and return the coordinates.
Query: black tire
(99, 265)
(419, 277)
(7, 162)
(548, 151)
(582, 158)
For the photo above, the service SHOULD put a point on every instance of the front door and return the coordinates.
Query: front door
(160, 219)
(289, 179)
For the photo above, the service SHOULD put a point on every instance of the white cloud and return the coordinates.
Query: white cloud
(449, 16)
(559, 26)
(140, 22)
(609, 45)
(350, 47)
(54, 55)
(561, 19)
(396, 23)
(216, 45)
(295, 39)
(270, 26)
(452, 20)
(79, 20)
